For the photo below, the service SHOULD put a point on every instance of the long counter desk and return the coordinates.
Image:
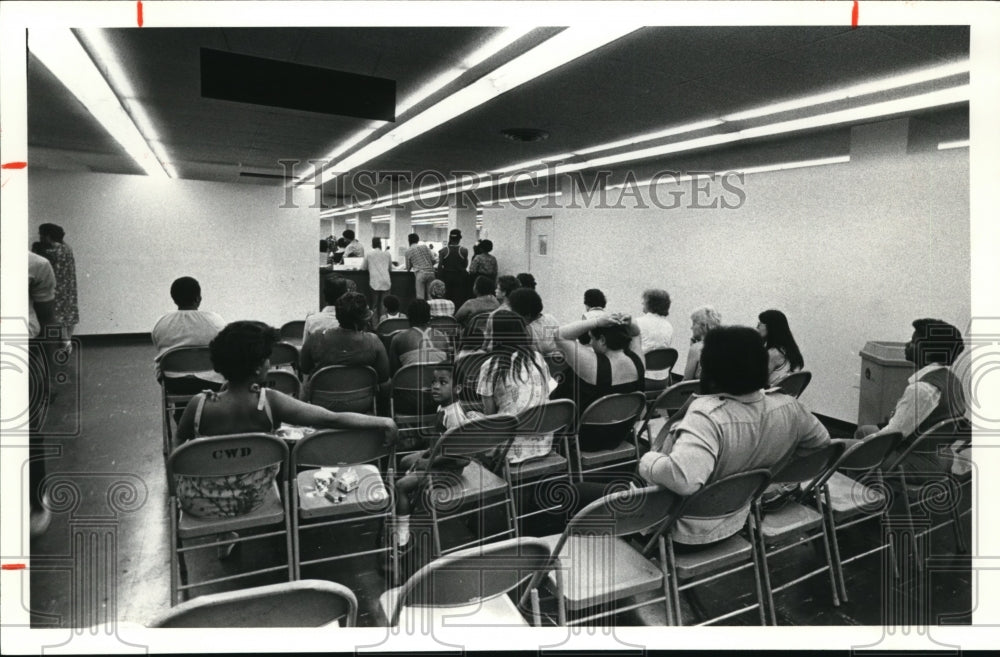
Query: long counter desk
(402, 284)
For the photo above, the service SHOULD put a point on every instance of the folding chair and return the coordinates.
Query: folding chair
(185, 371)
(658, 360)
(936, 440)
(239, 459)
(796, 521)
(555, 417)
(846, 501)
(413, 408)
(592, 567)
(285, 355)
(361, 450)
(449, 327)
(667, 403)
(306, 603)
(614, 414)
(387, 328)
(795, 383)
(475, 330)
(719, 498)
(475, 485)
(469, 587)
(467, 370)
(292, 332)
(343, 388)
(283, 381)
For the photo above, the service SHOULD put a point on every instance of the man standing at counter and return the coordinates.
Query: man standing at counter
(378, 263)
(453, 265)
(354, 248)
(420, 261)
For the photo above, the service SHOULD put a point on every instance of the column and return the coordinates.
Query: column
(338, 225)
(363, 231)
(462, 215)
(400, 227)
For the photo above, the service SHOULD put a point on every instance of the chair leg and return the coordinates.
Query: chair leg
(174, 554)
(536, 610)
(894, 555)
(674, 588)
(756, 536)
(956, 518)
(826, 551)
(757, 555)
(560, 600)
(667, 592)
(911, 529)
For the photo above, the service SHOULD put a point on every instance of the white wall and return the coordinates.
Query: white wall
(133, 235)
(850, 252)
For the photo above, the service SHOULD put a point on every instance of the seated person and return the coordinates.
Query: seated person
(187, 326)
(240, 353)
(391, 305)
(348, 344)
(419, 343)
(450, 414)
(932, 394)
(526, 303)
(334, 287)
(514, 378)
(440, 306)
(732, 427)
(526, 280)
(654, 327)
(610, 364)
(483, 302)
(783, 353)
(703, 320)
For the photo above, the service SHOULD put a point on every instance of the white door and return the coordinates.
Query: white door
(540, 247)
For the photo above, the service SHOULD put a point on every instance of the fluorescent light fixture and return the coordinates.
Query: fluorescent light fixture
(801, 164)
(380, 218)
(690, 127)
(961, 143)
(854, 91)
(564, 47)
(526, 197)
(61, 53)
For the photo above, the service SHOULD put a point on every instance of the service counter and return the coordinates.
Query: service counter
(402, 284)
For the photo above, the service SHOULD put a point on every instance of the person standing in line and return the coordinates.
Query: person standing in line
(378, 263)
(64, 266)
(41, 318)
(354, 249)
(453, 265)
(420, 261)
(483, 263)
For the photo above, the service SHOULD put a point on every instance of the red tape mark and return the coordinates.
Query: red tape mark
(138, 5)
(13, 566)
(13, 165)
(854, 15)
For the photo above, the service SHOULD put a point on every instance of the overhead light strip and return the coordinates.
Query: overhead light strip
(961, 143)
(785, 166)
(64, 56)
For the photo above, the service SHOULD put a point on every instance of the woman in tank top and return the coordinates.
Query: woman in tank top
(418, 344)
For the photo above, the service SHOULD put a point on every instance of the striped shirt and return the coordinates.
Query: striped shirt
(419, 257)
(441, 307)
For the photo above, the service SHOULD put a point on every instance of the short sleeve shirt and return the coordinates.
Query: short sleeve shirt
(41, 288)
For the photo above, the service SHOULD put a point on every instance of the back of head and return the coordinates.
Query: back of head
(779, 336)
(510, 331)
(486, 246)
(342, 243)
(508, 284)
(348, 235)
(527, 280)
(594, 298)
(526, 303)
(657, 301)
(705, 318)
(391, 303)
(377, 243)
(733, 360)
(616, 337)
(419, 312)
(334, 287)
(483, 286)
(185, 291)
(413, 238)
(437, 289)
(352, 311)
(935, 341)
(241, 348)
(454, 236)
(52, 231)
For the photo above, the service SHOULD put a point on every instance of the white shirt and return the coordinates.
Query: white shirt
(915, 405)
(657, 333)
(185, 328)
(41, 288)
(378, 264)
(324, 319)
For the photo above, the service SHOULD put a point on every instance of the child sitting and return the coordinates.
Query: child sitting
(391, 304)
(445, 391)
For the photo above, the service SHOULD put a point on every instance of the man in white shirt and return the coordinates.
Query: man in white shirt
(932, 394)
(354, 248)
(187, 326)
(379, 265)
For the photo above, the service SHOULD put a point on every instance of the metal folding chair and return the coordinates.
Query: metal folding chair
(231, 458)
(366, 453)
(795, 383)
(283, 381)
(343, 388)
(658, 360)
(387, 328)
(667, 403)
(285, 355)
(611, 414)
(796, 521)
(592, 567)
(475, 330)
(470, 587)
(292, 332)
(413, 408)
(450, 328)
(305, 603)
(183, 375)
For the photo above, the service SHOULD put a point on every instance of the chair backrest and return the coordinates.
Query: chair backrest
(614, 409)
(284, 353)
(390, 326)
(411, 389)
(180, 360)
(725, 496)
(623, 512)
(344, 388)
(870, 453)
(467, 373)
(335, 447)
(671, 399)
(472, 575)
(477, 323)
(476, 436)
(795, 383)
(939, 437)
(220, 456)
(283, 381)
(812, 465)
(293, 331)
(557, 416)
(661, 359)
(447, 326)
(303, 603)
